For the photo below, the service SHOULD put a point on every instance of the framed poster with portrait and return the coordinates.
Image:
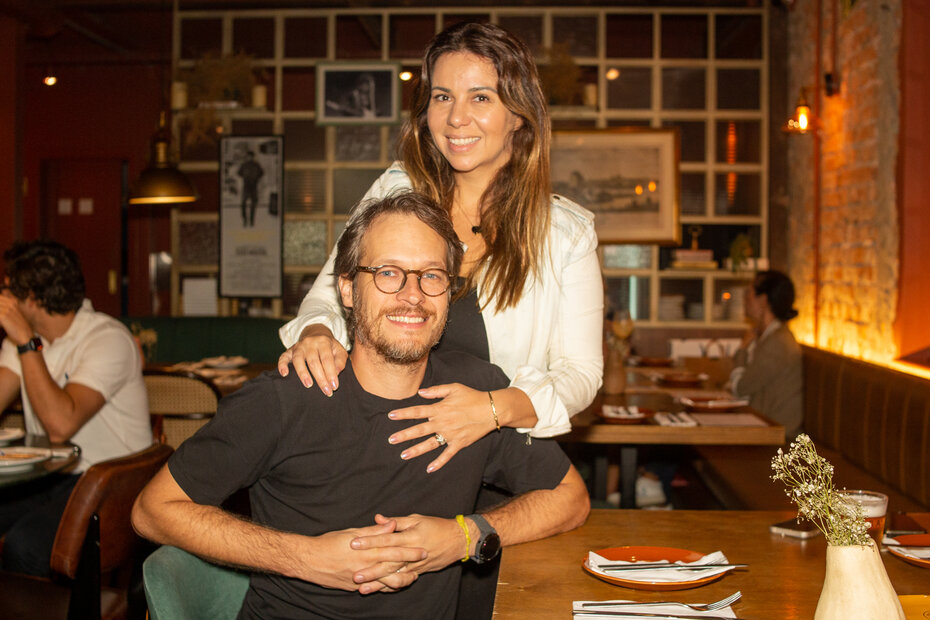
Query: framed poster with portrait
(355, 93)
(251, 216)
(627, 176)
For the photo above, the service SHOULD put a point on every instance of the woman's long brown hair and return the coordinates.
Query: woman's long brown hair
(515, 205)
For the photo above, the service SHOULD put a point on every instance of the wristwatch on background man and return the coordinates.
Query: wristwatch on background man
(489, 543)
(34, 344)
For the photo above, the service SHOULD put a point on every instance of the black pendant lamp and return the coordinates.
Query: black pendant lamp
(161, 182)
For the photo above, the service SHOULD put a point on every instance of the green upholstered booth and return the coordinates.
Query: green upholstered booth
(188, 338)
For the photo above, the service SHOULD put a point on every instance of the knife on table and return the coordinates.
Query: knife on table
(632, 567)
(638, 614)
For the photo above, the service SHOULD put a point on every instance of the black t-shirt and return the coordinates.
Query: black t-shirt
(317, 464)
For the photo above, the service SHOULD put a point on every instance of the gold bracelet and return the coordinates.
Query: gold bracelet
(494, 412)
(460, 519)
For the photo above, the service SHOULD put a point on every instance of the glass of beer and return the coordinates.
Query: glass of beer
(874, 507)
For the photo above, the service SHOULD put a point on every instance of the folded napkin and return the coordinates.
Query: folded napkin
(917, 554)
(674, 419)
(664, 575)
(716, 402)
(643, 608)
(621, 413)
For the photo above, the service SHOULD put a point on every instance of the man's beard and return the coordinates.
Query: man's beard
(402, 352)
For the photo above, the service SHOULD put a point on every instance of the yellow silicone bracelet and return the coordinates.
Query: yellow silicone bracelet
(460, 519)
(494, 412)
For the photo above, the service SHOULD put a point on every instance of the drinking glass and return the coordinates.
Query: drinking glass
(874, 508)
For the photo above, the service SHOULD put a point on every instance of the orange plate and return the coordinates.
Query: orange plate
(912, 539)
(712, 405)
(681, 379)
(647, 413)
(650, 554)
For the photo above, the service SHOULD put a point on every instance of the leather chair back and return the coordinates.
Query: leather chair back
(107, 489)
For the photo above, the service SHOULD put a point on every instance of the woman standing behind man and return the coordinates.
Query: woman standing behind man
(477, 142)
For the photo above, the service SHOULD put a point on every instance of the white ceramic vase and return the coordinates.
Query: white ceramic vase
(857, 586)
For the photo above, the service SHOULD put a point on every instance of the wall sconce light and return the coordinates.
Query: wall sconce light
(800, 122)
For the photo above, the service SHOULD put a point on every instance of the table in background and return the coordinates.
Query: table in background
(588, 428)
(46, 468)
(249, 371)
(783, 580)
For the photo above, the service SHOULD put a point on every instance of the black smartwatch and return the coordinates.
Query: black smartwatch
(489, 543)
(34, 344)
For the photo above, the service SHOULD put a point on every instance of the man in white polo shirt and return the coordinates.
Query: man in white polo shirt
(79, 374)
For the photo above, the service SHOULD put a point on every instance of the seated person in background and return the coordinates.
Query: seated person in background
(322, 472)
(79, 374)
(767, 366)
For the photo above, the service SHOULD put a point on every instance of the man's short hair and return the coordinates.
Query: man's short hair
(349, 248)
(778, 289)
(49, 272)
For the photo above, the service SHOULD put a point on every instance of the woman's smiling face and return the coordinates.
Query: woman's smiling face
(469, 123)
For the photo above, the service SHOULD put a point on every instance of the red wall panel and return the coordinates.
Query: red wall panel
(97, 111)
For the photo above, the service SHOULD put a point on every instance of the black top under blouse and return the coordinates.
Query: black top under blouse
(465, 331)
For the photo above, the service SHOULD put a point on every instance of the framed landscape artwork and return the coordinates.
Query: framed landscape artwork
(627, 176)
(354, 93)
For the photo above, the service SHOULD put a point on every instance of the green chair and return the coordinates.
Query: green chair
(181, 586)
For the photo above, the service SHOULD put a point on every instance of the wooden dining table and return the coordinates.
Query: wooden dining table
(644, 390)
(782, 581)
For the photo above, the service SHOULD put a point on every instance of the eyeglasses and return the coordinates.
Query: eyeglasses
(390, 279)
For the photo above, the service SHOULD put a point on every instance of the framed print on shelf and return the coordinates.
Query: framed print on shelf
(627, 176)
(355, 93)
(251, 216)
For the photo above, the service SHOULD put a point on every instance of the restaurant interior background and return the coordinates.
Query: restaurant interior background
(841, 208)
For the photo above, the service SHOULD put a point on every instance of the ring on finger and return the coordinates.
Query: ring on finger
(440, 439)
(401, 568)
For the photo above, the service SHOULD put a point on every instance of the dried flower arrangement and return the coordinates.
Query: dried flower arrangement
(808, 478)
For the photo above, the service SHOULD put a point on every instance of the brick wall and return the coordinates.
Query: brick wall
(858, 237)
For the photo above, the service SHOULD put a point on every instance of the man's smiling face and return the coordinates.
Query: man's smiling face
(401, 327)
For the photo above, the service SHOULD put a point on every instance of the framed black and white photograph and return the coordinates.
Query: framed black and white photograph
(354, 93)
(627, 176)
(251, 216)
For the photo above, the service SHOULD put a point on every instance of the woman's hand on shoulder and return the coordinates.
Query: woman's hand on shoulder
(462, 416)
(317, 356)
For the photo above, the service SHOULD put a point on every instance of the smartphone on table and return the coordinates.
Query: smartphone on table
(900, 523)
(791, 527)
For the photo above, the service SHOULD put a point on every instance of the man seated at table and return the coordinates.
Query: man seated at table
(321, 471)
(79, 374)
(767, 368)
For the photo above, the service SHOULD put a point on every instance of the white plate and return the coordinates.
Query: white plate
(8, 435)
(222, 361)
(20, 459)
